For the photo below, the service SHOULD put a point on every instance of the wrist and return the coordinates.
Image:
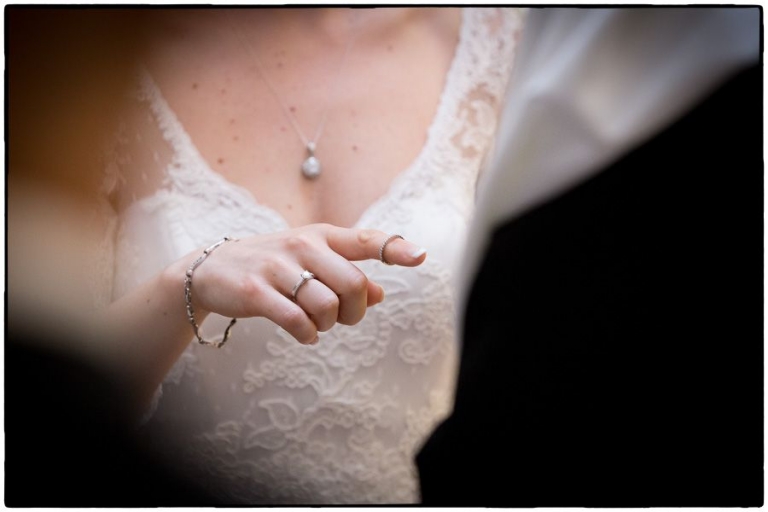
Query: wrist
(174, 282)
(193, 319)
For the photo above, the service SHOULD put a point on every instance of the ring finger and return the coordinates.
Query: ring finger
(347, 282)
(319, 301)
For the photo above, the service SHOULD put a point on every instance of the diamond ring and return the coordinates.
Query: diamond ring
(305, 276)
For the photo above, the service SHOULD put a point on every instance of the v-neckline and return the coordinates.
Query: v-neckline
(396, 187)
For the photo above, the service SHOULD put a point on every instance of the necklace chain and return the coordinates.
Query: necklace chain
(310, 144)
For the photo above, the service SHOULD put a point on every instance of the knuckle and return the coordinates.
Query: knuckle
(329, 305)
(357, 282)
(273, 266)
(252, 293)
(292, 319)
(351, 317)
(323, 324)
(252, 289)
(298, 242)
(270, 265)
(322, 227)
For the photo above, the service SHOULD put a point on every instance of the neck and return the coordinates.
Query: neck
(334, 24)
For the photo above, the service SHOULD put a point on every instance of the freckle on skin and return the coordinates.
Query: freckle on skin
(354, 147)
(235, 138)
(292, 108)
(220, 160)
(223, 91)
(282, 128)
(290, 207)
(194, 85)
(231, 121)
(389, 48)
(279, 65)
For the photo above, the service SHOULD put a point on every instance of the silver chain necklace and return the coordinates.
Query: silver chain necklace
(311, 167)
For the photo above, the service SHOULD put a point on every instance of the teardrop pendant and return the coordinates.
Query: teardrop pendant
(311, 166)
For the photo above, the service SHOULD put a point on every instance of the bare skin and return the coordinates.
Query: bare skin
(379, 110)
(247, 278)
(377, 121)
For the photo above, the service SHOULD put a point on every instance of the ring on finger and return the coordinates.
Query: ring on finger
(384, 245)
(306, 275)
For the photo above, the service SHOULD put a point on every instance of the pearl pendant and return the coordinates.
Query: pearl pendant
(311, 166)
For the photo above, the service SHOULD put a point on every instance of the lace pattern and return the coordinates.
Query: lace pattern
(266, 420)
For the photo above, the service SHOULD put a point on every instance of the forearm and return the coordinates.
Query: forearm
(151, 329)
(251, 278)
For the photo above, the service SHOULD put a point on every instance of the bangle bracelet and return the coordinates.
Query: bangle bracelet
(188, 298)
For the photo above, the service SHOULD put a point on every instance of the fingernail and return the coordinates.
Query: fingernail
(314, 342)
(418, 253)
(382, 294)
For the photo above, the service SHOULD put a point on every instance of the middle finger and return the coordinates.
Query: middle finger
(348, 282)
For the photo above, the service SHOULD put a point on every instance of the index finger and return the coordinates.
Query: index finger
(365, 244)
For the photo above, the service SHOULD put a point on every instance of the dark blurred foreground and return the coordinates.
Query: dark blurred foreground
(70, 421)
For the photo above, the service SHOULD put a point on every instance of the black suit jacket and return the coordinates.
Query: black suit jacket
(613, 350)
(70, 438)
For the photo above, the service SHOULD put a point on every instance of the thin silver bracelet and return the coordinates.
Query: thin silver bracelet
(188, 298)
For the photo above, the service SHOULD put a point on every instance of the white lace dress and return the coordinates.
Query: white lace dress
(267, 420)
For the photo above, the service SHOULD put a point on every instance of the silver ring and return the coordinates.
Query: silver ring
(384, 245)
(305, 276)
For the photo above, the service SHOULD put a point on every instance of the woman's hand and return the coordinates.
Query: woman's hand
(255, 276)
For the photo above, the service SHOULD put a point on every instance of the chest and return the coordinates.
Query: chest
(250, 119)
